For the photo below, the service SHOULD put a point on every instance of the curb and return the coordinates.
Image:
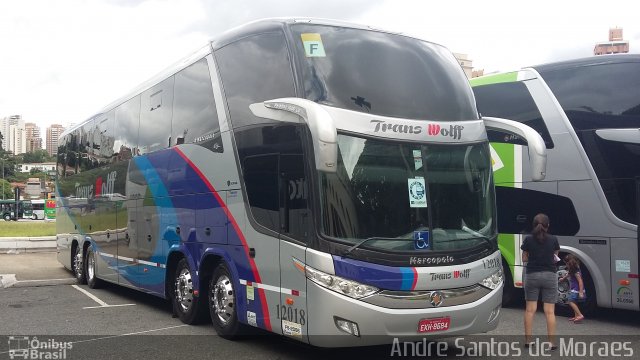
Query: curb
(9, 280)
(13, 245)
(45, 282)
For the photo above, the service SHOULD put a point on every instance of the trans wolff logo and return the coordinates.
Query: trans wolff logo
(456, 274)
(454, 131)
(461, 274)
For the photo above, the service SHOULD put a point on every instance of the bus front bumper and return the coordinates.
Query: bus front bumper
(378, 325)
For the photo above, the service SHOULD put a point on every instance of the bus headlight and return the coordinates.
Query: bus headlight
(340, 285)
(493, 281)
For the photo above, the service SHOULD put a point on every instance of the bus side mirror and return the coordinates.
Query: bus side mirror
(535, 143)
(320, 123)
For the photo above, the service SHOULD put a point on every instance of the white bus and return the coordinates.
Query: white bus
(38, 209)
(320, 180)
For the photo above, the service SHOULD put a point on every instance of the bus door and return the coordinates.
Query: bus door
(295, 220)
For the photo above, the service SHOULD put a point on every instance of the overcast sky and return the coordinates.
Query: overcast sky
(63, 60)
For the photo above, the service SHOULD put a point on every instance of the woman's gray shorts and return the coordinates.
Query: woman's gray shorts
(541, 283)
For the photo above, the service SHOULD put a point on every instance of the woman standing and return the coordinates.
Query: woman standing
(540, 253)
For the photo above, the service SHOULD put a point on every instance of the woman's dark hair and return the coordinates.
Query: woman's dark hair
(540, 227)
(573, 264)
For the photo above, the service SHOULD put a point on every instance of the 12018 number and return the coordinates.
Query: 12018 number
(290, 314)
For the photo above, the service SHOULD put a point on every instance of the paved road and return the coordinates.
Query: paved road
(114, 322)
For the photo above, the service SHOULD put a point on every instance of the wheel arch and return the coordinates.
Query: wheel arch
(74, 245)
(211, 259)
(599, 283)
(173, 258)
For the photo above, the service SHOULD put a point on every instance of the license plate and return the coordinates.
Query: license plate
(433, 325)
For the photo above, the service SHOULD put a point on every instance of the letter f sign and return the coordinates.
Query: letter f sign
(312, 45)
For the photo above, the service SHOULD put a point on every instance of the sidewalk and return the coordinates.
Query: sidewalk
(27, 244)
(33, 269)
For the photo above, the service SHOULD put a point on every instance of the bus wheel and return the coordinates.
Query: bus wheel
(222, 303)
(7, 217)
(78, 266)
(90, 270)
(187, 306)
(34, 217)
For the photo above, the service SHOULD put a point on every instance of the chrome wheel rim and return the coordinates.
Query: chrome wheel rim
(92, 266)
(77, 263)
(184, 290)
(223, 299)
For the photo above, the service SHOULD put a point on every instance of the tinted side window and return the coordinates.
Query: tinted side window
(517, 207)
(598, 97)
(254, 69)
(261, 182)
(195, 119)
(155, 117)
(273, 167)
(104, 137)
(512, 101)
(85, 147)
(127, 120)
(73, 163)
(61, 165)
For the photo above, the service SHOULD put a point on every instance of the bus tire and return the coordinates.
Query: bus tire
(77, 265)
(90, 270)
(34, 217)
(222, 303)
(189, 308)
(7, 217)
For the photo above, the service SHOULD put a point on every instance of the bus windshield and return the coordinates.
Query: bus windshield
(391, 190)
(382, 73)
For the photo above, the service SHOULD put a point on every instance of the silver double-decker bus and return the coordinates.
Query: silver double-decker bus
(588, 112)
(324, 181)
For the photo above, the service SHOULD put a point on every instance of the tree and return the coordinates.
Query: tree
(5, 188)
(38, 156)
(7, 165)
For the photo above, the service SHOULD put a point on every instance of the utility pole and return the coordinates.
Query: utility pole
(2, 179)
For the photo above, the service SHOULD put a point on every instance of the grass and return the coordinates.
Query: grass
(27, 228)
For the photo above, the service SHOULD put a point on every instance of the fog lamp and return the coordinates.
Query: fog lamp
(494, 314)
(347, 326)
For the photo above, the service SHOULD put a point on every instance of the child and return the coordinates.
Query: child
(577, 293)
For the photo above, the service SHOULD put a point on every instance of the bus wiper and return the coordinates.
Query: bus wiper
(486, 239)
(361, 242)
(360, 101)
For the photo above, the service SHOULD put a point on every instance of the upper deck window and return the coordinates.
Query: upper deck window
(254, 69)
(381, 73)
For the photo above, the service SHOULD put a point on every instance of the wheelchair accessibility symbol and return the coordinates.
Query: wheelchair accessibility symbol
(421, 240)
